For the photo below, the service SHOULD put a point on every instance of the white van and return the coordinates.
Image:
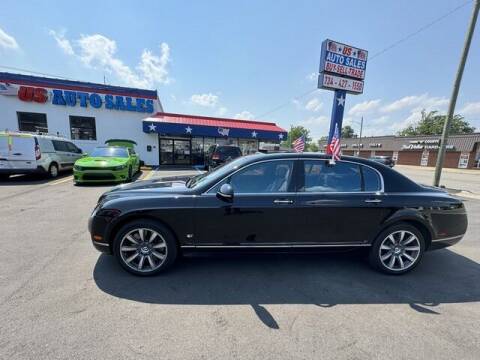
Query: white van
(26, 153)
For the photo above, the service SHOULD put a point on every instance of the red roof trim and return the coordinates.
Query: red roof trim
(215, 121)
(79, 88)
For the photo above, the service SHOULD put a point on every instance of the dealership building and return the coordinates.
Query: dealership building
(89, 113)
(462, 151)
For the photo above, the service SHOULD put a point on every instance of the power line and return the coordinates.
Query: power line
(381, 52)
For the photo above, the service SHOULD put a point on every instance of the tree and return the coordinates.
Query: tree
(431, 123)
(294, 133)
(348, 132)
(313, 147)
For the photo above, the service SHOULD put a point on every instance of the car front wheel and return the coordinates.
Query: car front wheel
(397, 249)
(145, 248)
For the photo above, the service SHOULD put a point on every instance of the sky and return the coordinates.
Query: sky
(254, 59)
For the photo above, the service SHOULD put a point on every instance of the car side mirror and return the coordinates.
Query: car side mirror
(79, 151)
(225, 193)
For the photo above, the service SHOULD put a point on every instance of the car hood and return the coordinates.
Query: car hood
(153, 187)
(101, 161)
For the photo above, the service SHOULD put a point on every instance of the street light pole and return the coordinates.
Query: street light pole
(360, 137)
(453, 98)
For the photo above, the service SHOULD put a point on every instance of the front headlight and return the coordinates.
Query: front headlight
(77, 168)
(120, 167)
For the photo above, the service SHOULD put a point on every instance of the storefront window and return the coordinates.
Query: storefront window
(82, 128)
(248, 146)
(34, 122)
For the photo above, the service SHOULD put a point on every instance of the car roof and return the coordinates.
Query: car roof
(32, 135)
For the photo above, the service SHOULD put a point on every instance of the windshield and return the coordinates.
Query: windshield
(109, 152)
(218, 173)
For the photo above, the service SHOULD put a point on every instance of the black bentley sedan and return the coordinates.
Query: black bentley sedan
(278, 201)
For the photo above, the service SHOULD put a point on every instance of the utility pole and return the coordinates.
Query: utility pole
(453, 98)
(360, 137)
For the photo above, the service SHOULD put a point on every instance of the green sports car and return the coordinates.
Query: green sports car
(115, 162)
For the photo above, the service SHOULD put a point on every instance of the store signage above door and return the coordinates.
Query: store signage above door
(83, 99)
(427, 144)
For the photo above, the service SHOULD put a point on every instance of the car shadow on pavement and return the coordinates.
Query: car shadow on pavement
(324, 280)
(32, 179)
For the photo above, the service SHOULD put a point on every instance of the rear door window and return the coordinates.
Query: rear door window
(320, 176)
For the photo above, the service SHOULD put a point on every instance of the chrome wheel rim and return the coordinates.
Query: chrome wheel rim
(399, 250)
(143, 249)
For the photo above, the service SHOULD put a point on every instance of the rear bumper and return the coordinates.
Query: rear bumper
(445, 242)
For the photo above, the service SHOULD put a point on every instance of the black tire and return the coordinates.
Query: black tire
(170, 249)
(398, 251)
(130, 174)
(53, 171)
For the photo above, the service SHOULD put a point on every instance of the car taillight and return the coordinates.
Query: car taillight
(215, 157)
(38, 153)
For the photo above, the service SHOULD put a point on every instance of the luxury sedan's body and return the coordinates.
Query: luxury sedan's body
(278, 201)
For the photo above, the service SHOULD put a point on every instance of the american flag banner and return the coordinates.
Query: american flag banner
(336, 124)
(299, 144)
(334, 145)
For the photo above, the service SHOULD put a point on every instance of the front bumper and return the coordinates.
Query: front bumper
(97, 228)
(97, 176)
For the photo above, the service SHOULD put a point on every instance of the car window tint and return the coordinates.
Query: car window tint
(265, 177)
(60, 145)
(371, 179)
(320, 176)
(71, 147)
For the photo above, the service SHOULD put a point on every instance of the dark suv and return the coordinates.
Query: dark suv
(220, 154)
(385, 160)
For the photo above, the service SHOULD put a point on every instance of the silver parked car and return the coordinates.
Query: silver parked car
(26, 153)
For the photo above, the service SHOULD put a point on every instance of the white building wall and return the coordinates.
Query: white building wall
(109, 123)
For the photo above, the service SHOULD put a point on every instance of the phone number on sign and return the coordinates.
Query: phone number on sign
(337, 82)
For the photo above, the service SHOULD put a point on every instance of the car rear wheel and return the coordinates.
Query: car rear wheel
(398, 249)
(145, 248)
(53, 171)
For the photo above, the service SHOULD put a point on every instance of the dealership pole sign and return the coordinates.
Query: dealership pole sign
(342, 70)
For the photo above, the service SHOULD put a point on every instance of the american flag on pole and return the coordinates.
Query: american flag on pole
(335, 144)
(299, 144)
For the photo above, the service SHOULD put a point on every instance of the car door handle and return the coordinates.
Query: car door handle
(373, 201)
(284, 202)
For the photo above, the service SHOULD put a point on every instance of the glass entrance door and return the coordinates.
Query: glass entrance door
(175, 151)
(182, 152)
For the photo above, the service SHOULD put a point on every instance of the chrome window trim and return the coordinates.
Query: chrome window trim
(247, 166)
(379, 192)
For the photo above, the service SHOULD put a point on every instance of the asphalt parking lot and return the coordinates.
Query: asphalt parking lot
(61, 299)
